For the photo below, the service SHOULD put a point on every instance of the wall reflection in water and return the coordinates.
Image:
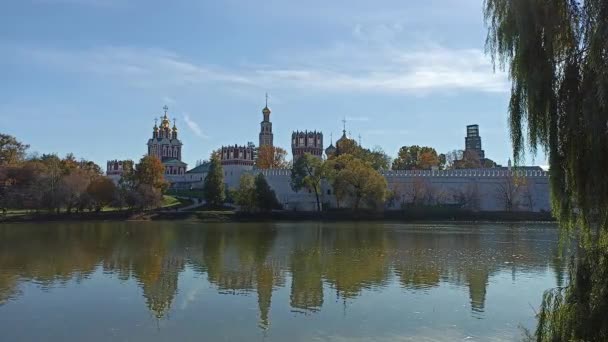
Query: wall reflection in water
(316, 261)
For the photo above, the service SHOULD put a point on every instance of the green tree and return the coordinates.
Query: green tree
(12, 151)
(245, 195)
(266, 198)
(333, 167)
(308, 172)
(377, 158)
(213, 185)
(358, 179)
(557, 58)
(442, 161)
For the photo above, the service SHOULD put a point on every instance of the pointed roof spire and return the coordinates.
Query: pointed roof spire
(344, 127)
(266, 110)
(166, 109)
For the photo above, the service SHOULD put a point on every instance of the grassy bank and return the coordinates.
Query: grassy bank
(408, 215)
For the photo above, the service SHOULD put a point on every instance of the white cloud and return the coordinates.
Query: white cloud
(141, 67)
(191, 296)
(194, 127)
(357, 118)
(354, 67)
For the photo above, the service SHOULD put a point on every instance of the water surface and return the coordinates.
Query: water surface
(179, 281)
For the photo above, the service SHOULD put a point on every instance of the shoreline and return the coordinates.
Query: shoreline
(406, 216)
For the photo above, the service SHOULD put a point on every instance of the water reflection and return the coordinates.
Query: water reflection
(314, 261)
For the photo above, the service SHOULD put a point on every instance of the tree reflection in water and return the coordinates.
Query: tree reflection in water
(249, 259)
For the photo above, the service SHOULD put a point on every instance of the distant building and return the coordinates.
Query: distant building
(331, 149)
(115, 169)
(236, 160)
(306, 142)
(266, 136)
(472, 141)
(237, 155)
(165, 145)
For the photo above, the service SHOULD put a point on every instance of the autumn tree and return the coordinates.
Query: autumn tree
(271, 157)
(416, 158)
(47, 182)
(557, 59)
(73, 189)
(150, 171)
(148, 182)
(308, 172)
(102, 192)
(347, 146)
(213, 185)
(12, 151)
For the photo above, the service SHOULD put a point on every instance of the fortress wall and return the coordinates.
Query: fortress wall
(473, 191)
(483, 190)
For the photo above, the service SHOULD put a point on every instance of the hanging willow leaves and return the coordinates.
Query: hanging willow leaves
(556, 54)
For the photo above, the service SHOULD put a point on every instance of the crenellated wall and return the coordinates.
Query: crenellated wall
(483, 189)
(476, 189)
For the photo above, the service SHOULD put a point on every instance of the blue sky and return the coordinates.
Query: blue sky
(90, 76)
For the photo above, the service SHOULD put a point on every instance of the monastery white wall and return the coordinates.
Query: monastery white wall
(479, 190)
(280, 181)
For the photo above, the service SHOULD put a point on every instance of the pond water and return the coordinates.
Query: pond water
(181, 281)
